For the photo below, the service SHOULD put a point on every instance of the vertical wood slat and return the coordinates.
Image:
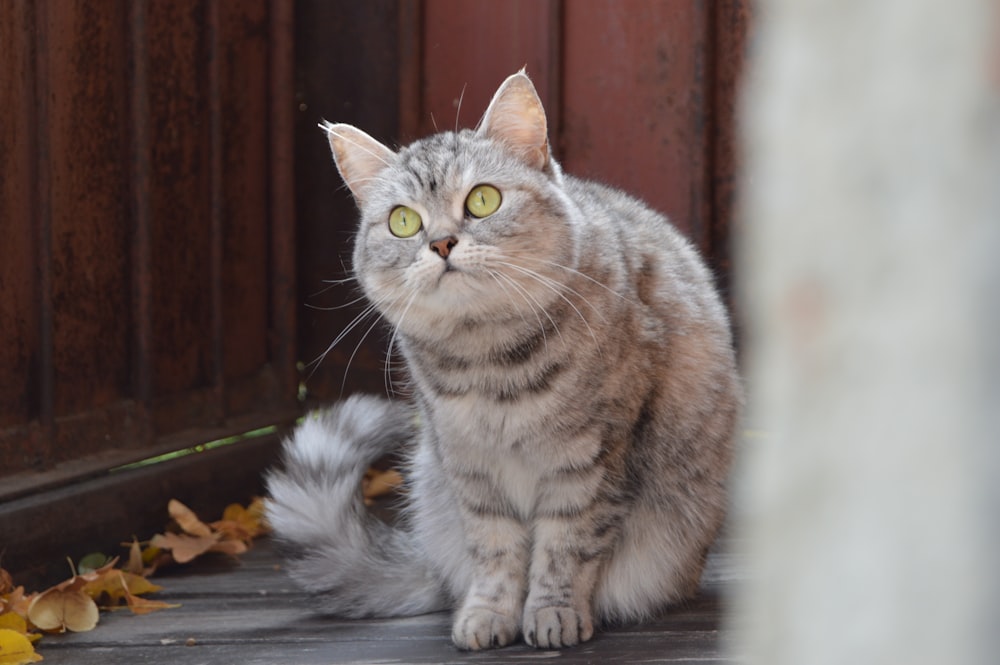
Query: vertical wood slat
(23, 305)
(634, 103)
(470, 47)
(42, 156)
(730, 25)
(177, 45)
(216, 205)
(348, 58)
(142, 252)
(281, 141)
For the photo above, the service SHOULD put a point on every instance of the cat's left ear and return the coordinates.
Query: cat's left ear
(516, 117)
(358, 156)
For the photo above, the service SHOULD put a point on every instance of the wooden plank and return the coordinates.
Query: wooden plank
(634, 103)
(249, 612)
(242, 60)
(471, 47)
(38, 531)
(179, 200)
(730, 26)
(19, 281)
(89, 209)
(348, 70)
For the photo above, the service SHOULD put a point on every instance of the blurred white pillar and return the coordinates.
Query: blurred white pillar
(870, 271)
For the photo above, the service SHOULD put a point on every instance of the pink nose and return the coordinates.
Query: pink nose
(443, 246)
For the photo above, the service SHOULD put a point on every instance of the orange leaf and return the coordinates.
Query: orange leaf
(114, 586)
(231, 547)
(184, 547)
(16, 601)
(6, 582)
(376, 483)
(63, 609)
(143, 605)
(16, 649)
(187, 520)
(135, 564)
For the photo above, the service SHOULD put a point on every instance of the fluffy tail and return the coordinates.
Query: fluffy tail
(358, 565)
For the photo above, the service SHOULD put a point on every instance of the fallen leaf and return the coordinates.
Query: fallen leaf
(143, 605)
(16, 601)
(242, 523)
(6, 582)
(16, 649)
(16, 622)
(377, 483)
(187, 520)
(113, 587)
(65, 606)
(93, 561)
(60, 610)
(182, 546)
(135, 564)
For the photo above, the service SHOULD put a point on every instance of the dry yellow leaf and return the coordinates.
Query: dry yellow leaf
(242, 523)
(16, 622)
(16, 649)
(63, 609)
(184, 547)
(187, 520)
(143, 605)
(376, 483)
(114, 586)
(16, 601)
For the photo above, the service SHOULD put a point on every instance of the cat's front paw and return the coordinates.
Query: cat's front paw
(478, 628)
(557, 627)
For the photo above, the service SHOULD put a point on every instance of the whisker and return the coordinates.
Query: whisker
(355, 322)
(497, 278)
(556, 288)
(392, 342)
(334, 307)
(537, 307)
(576, 272)
(357, 347)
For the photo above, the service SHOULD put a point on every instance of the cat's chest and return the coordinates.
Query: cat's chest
(515, 442)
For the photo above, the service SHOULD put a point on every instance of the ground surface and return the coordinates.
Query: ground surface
(248, 613)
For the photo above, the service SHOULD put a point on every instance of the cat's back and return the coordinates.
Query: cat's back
(626, 241)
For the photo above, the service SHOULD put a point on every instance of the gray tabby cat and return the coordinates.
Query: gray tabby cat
(575, 396)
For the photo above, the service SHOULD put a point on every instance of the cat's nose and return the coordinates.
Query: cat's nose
(443, 246)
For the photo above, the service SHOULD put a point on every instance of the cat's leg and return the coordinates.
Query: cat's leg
(558, 610)
(490, 614)
(573, 537)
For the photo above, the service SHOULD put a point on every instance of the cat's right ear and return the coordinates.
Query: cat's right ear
(359, 157)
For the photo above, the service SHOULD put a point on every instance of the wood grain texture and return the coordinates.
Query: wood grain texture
(248, 612)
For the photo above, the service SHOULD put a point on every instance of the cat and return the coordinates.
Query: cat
(575, 395)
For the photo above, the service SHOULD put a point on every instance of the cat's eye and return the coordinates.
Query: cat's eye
(404, 222)
(483, 200)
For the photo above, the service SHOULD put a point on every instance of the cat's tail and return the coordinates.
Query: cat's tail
(357, 565)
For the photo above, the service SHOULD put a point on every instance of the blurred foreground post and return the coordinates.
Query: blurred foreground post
(870, 274)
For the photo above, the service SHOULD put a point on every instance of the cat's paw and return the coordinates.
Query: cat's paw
(480, 628)
(557, 627)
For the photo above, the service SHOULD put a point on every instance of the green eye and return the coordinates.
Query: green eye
(404, 222)
(483, 200)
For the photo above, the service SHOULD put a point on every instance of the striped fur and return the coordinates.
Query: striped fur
(576, 384)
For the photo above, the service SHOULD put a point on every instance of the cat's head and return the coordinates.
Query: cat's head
(460, 226)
